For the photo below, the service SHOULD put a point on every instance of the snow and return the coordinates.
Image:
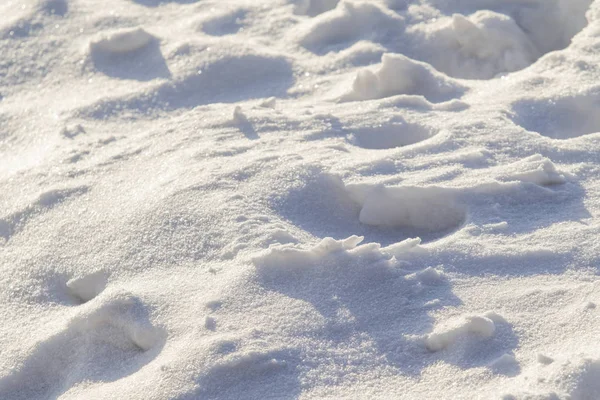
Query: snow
(299, 199)
(401, 75)
(479, 325)
(122, 41)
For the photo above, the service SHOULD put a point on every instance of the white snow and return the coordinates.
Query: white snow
(121, 41)
(401, 75)
(478, 325)
(299, 199)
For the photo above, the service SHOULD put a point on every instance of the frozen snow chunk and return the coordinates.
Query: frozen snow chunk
(430, 276)
(283, 262)
(124, 314)
(349, 22)
(427, 208)
(399, 74)
(535, 169)
(121, 41)
(405, 247)
(482, 45)
(481, 326)
(488, 44)
(292, 257)
(494, 40)
(87, 287)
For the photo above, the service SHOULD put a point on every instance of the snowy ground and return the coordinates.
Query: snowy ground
(319, 199)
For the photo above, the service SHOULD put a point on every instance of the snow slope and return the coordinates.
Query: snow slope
(299, 199)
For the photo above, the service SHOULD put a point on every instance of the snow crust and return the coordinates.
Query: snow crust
(299, 199)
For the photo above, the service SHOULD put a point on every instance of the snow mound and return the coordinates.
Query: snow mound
(14, 222)
(121, 41)
(312, 8)
(399, 74)
(535, 169)
(482, 326)
(495, 39)
(487, 43)
(427, 208)
(291, 258)
(299, 199)
(112, 338)
(226, 22)
(349, 22)
(576, 378)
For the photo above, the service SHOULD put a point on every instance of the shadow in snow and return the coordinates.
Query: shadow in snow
(217, 82)
(269, 375)
(143, 64)
(379, 300)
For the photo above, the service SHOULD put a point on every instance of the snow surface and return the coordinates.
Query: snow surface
(299, 199)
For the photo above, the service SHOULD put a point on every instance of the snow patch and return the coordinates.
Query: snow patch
(114, 336)
(13, 223)
(347, 23)
(481, 326)
(291, 257)
(487, 43)
(121, 41)
(496, 39)
(559, 117)
(399, 74)
(535, 169)
(430, 276)
(210, 82)
(428, 208)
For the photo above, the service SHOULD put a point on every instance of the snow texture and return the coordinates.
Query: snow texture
(299, 199)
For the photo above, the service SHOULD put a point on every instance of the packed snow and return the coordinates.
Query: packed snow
(299, 199)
